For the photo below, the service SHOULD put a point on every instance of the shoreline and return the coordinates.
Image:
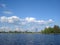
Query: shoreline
(27, 33)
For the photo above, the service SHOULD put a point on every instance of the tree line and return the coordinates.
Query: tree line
(49, 30)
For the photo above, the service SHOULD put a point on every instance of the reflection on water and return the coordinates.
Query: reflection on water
(29, 39)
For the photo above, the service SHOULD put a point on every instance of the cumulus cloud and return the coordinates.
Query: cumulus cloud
(15, 19)
(11, 19)
(7, 12)
(30, 19)
(3, 19)
(29, 22)
(45, 22)
(41, 22)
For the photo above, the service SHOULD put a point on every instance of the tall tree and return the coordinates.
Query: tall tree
(56, 29)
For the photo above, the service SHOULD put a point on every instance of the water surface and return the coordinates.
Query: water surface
(29, 39)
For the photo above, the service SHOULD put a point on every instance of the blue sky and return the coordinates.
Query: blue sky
(39, 9)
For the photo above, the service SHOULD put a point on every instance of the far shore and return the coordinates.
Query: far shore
(26, 33)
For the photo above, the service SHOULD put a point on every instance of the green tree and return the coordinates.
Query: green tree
(56, 29)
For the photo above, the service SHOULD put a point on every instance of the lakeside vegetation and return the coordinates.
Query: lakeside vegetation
(49, 30)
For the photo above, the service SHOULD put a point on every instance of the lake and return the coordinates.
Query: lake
(29, 39)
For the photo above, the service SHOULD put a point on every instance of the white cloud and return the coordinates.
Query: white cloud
(15, 19)
(30, 19)
(11, 19)
(50, 20)
(45, 22)
(29, 22)
(23, 23)
(3, 19)
(41, 21)
(7, 12)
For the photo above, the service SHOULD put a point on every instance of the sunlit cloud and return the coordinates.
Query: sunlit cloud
(3, 19)
(11, 19)
(30, 19)
(15, 19)
(29, 22)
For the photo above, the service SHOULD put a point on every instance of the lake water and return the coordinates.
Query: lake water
(29, 39)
